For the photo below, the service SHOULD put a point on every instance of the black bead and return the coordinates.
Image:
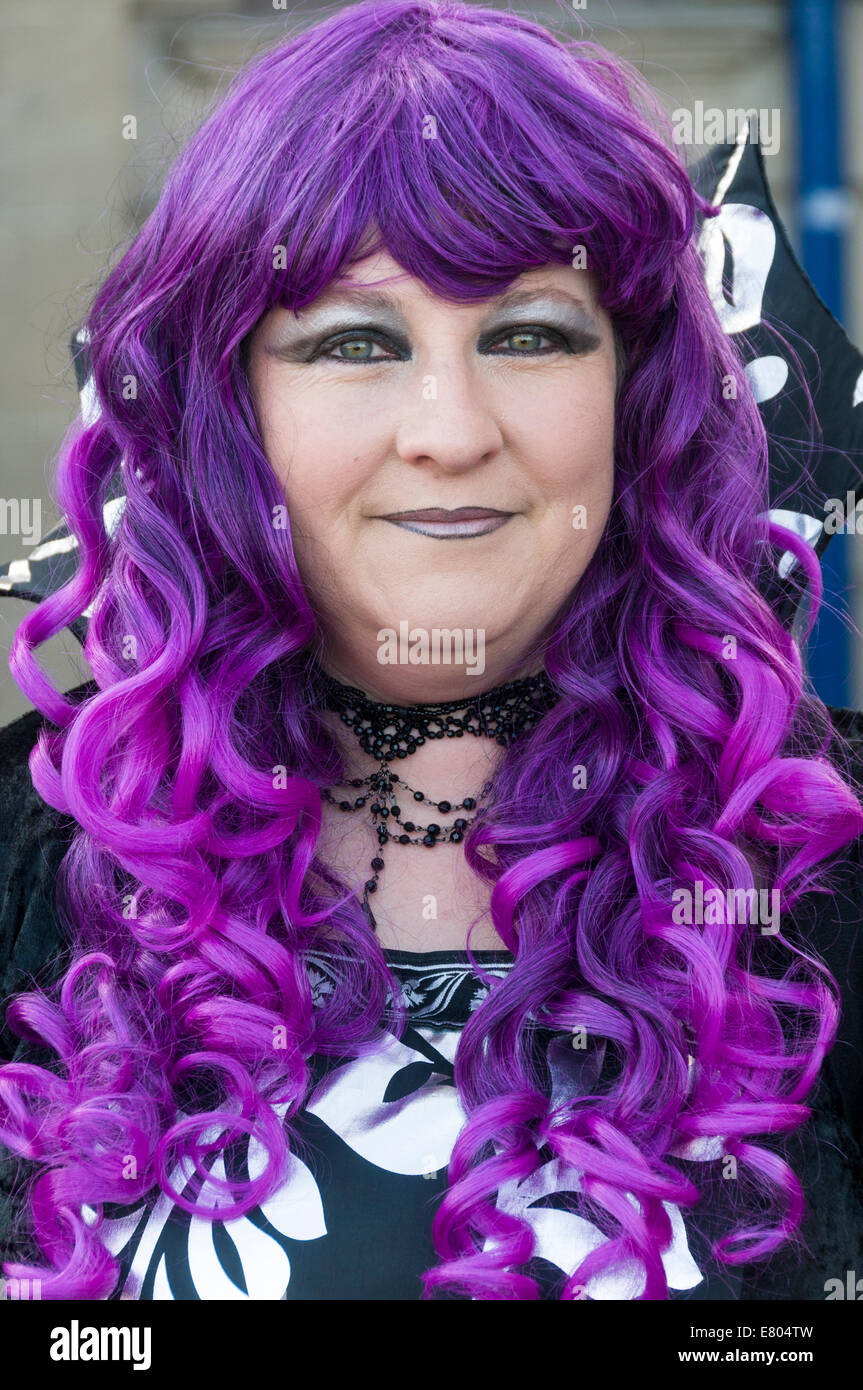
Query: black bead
(345, 805)
(455, 836)
(468, 803)
(461, 823)
(396, 810)
(395, 731)
(418, 796)
(408, 825)
(377, 863)
(428, 839)
(433, 829)
(360, 801)
(371, 886)
(444, 806)
(404, 839)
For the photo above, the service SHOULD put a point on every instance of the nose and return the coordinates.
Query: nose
(448, 424)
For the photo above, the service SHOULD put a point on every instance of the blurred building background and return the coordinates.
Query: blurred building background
(73, 186)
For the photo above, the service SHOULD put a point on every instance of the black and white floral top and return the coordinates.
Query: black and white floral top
(353, 1219)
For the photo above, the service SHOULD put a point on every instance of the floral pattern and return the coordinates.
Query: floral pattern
(353, 1218)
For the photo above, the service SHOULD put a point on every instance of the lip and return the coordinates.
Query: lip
(456, 524)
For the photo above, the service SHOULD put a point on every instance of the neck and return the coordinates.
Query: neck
(418, 685)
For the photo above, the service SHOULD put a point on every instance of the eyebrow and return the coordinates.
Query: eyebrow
(371, 299)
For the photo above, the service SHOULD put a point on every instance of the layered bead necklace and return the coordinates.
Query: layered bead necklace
(391, 732)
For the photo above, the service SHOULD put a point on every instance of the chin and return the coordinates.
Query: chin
(492, 594)
(427, 613)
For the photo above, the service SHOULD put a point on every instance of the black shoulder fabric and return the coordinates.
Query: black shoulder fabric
(33, 840)
(835, 929)
(827, 1152)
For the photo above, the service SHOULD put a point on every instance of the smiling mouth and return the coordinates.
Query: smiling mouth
(458, 524)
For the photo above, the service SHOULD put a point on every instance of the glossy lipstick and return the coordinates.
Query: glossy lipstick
(458, 524)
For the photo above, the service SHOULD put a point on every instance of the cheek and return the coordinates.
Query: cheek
(319, 476)
(571, 442)
(573, 453)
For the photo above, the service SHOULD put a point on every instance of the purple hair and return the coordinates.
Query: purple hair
(193, 887)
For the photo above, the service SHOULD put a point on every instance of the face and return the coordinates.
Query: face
(446, 468)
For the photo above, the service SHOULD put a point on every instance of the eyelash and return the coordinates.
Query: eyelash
(559, 341)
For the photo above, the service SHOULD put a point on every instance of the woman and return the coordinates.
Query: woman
(433, 474)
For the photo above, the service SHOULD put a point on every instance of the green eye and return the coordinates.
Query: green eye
(527, 342)
(354, 348)
(522, 336)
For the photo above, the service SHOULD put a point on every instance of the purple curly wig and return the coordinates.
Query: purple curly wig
(192, 885)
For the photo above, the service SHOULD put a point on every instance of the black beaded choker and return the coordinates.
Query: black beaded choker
(389, 731)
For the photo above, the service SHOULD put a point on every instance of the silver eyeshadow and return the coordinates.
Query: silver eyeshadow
(557, 308)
